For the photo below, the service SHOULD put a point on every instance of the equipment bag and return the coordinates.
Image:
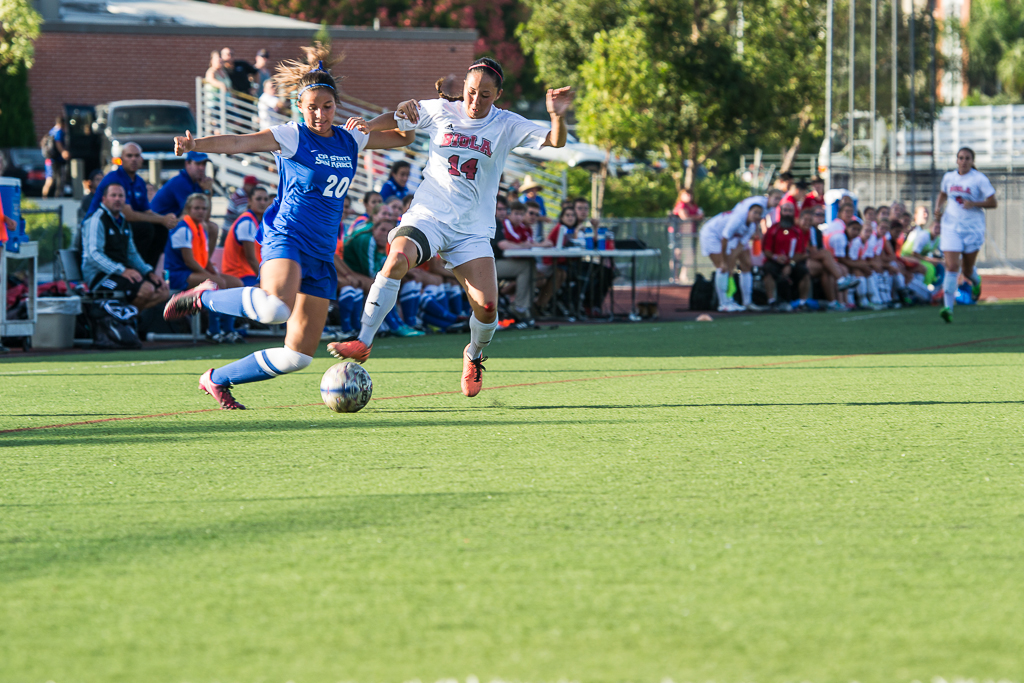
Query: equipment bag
(702, 294)
(48, 146)
(114, 326)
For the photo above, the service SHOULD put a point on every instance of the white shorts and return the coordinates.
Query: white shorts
(963, 241)
(455, 248)
(709, 244)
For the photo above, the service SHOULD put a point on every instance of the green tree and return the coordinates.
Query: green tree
(994, 27)
(19, 28)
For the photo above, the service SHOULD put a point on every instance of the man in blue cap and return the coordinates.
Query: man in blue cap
(191, 179)
(149, 227)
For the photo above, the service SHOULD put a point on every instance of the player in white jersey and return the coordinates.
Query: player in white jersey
(725, 239)
(963, 224)
(453, 211)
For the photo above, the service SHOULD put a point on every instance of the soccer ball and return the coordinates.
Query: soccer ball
(346, 387)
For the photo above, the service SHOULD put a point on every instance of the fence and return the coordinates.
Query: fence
(226, 111)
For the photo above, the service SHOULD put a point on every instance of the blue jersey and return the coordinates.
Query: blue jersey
(136, 195)
(315, 174)
(171, 197)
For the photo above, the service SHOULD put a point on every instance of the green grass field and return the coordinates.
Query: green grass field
(765, 498)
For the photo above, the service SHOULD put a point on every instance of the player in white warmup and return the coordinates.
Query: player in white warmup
(963, 225)
(725, 239)
(453, 211)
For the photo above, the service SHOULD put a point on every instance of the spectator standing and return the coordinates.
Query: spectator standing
(689, 215)
(109, 258)
(796, 195)
(238, 201)
(239, 71)
(530, 192)
(816, 197)
(216, 74)
(55, 149)
(396, 185)
(263, 72)
(271, 109)
(149, 227)
(89, 185)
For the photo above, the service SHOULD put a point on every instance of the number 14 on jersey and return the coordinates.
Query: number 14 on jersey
(468, 168)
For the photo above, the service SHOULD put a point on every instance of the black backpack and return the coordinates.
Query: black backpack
(114, 325)
(703, 295)
(48, 146)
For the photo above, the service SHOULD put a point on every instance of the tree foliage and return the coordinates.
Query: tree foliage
(15, 110)
(19, 27)
(494, 20)
(994, 28)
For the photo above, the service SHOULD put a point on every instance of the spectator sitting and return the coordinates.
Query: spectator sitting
(530, 191)
(394, 207)
(512, 235)
(556, 271)
(533, 219)
(407, 202)
(582, 207)
(816, 197)
(775, 196)
(263, 72)
(372, 203)
(110, 260)
(187, 259)
(845, 246)
(821, 263)
(271, 109)
(57, 160)
(192, 179)
(241, 250)
(238, 201)
(89, 187)
(398, 177)
(785, 250)
(870, 217)
(238, 71)
(365, 253)
(149, 227)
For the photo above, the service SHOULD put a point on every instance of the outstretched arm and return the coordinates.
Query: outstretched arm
(382, 132)
(558, 102)
(263, 141)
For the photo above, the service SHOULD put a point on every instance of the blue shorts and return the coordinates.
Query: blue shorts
(50, 164)
(319, 277)
(178, 279)
(251, 280)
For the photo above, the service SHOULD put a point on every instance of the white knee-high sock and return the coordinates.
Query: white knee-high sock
(747, 288)
(901, 281)
(722, 286)
(862, 290)
(873, 289)
(480, 335)
(949, 283)
(379, 302)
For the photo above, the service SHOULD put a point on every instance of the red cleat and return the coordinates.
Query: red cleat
(472, 374)
(350, 348)
(186, 303)
(221, 392)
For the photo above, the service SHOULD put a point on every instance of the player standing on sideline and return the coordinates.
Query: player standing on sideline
(453, 211)
(963, 225)
(317, 161)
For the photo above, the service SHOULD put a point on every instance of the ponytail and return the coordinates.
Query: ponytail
(297, 76)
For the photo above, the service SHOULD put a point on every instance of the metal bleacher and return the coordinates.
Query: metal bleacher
(220, 110)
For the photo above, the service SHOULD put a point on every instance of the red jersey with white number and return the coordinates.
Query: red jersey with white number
(466, 159)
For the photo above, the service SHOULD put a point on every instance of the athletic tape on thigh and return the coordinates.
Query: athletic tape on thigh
(417, 236)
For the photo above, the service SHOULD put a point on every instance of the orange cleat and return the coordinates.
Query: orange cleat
(472, 374)
(350, 348)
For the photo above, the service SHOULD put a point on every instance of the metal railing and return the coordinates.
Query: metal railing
(224, 111)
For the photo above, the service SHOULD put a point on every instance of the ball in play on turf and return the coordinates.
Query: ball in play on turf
(346, 387)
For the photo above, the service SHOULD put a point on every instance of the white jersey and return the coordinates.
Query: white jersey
(974, 186)
(714, 227)
(467, 158)
(839, 244)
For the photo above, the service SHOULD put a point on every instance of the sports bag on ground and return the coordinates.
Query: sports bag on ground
(114, 325)
(702, 294)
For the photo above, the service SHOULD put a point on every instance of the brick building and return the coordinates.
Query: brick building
(95, 51)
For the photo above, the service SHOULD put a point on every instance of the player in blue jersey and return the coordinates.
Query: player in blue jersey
(317, 161)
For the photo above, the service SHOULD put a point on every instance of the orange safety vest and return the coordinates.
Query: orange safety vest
(3, 225)
(234, 261)
(200, 251)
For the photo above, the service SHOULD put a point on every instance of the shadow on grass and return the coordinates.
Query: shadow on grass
(268, 520)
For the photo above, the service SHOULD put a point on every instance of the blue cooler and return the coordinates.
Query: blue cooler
(10, 195)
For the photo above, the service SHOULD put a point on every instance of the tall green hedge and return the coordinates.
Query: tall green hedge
(16, 128)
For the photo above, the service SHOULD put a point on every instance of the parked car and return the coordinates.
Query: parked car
(575, 153)
(151, 123)
(28, 164)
